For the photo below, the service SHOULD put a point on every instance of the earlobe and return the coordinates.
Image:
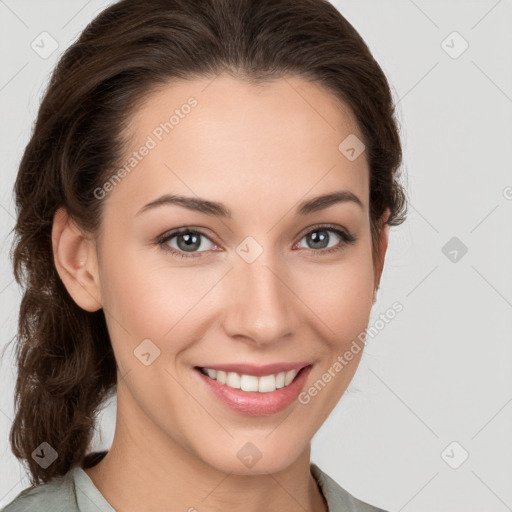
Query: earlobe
(76, 262)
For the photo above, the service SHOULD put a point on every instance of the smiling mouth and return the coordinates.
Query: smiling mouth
(246, 382)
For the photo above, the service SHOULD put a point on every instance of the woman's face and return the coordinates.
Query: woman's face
(267, 284)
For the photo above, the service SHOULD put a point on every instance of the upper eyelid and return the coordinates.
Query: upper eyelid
(327, 227)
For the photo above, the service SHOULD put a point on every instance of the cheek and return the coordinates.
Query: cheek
(349, 300)
(341, 295)
(147, 297)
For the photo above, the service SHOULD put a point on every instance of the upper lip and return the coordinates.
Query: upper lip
(258, 371)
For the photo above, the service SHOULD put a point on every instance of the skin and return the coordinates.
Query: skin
(260, 150)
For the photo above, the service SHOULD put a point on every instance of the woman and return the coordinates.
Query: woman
(203, 214)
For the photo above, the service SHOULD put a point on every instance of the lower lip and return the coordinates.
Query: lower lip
(255, 403)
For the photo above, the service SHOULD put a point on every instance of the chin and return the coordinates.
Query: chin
(258, 457)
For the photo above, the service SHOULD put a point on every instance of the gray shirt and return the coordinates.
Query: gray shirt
(75, 492)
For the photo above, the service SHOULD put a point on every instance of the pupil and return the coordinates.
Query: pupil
(190, 241)
(319, 238)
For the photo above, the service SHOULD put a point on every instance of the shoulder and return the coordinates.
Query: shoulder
(58, 495)
(338, 499)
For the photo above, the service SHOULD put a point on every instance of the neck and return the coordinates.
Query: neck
(160, 474)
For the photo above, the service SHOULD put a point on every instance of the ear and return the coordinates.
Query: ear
(382, 247)
(76, 261)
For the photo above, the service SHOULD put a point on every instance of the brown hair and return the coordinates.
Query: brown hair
(66, 366)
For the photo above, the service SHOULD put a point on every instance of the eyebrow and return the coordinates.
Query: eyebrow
(220, 210)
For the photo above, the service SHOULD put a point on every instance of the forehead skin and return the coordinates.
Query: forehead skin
(268, 146)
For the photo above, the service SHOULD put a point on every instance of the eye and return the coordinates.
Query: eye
(319, 240)
(188, 242)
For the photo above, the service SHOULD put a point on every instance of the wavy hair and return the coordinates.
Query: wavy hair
(65, 364)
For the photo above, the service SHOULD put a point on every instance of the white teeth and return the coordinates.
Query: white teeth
(265, 384)
(248, 383)
(290, 376)
(233, 380)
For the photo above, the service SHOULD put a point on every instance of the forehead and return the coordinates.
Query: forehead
(276, 140)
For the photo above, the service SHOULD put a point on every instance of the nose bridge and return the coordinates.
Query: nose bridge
(260, 301)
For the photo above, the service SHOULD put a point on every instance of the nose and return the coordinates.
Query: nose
(262, 308)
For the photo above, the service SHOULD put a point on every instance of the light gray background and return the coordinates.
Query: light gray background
(441, 370)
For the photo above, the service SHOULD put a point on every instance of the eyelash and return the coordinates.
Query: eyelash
(346, 239)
